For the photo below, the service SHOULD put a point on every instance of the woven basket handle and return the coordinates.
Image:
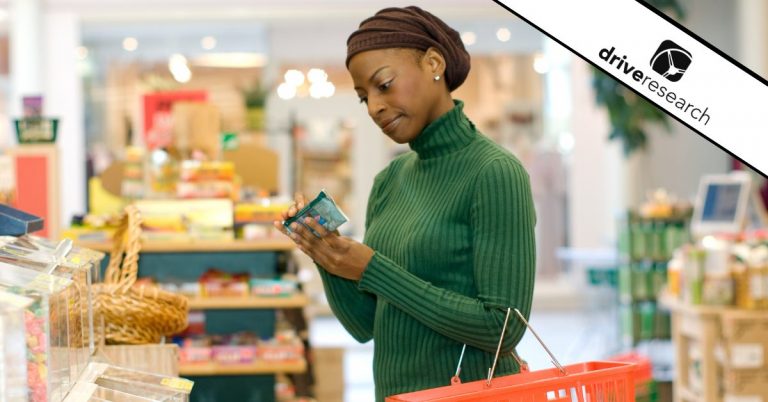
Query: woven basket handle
(123, 269)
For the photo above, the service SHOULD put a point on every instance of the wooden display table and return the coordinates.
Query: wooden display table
(706, 340)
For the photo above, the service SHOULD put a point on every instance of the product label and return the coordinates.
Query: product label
(178, 383)
(747, 355)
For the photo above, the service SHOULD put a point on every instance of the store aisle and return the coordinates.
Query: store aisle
(572, 335)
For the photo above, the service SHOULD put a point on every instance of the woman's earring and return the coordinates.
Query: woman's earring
(437, 78)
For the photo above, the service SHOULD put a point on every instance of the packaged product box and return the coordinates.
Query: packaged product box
(218, 283)
(745, 340)
(277, 350)
(16, 223)
(273, 287)
(182, 220)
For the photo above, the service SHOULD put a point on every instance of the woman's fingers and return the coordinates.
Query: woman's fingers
(279, 226)
(299, 200)
(317, 227)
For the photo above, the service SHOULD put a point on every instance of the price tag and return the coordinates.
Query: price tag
(747, 355)
(178, 383)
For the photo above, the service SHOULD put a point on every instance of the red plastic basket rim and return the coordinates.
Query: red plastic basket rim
(592, 372)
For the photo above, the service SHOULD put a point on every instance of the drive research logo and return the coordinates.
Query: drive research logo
(671, 60)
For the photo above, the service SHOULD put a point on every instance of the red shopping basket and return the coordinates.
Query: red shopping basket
(597, 381)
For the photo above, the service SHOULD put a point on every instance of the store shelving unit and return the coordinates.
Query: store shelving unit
(236, 303)
(648, 246)
(645, 325)
(256, 368)
(719, 352)
(177, 261)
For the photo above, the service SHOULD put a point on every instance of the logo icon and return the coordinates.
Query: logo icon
(671, 60)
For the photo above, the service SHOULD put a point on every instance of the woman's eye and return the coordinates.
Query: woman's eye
(385, 86)
(364, 100)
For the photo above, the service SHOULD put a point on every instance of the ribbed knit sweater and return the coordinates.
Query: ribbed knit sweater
(452, 226)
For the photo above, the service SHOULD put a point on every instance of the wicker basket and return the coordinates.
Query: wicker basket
(135, 314)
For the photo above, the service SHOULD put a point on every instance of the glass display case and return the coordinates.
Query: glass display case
(85, 258)
(13, 363)
(64, 261)
(46, 321)
(152, 386)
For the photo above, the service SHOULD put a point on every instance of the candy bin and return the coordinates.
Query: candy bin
(13, 362)
(91, 260)
(89, 392)
(47, 330)
(151, 386)
(64, 261)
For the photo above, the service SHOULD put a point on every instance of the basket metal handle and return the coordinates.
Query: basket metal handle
(541, 342)
(523, 366)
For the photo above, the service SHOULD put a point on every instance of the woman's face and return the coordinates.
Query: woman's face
(399, 89)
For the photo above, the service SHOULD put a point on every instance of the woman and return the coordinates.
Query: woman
(449, 241)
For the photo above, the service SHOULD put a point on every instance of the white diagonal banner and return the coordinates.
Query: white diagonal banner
(678, 72)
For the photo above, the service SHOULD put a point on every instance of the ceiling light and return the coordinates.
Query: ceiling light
(294, 77)
(177, 64)
(317, 75)
(469, 38)
(323, 89)
(503, 34)
(208, 42)
(540, 64)
(231, 60)
(286, 91)
(130, 44)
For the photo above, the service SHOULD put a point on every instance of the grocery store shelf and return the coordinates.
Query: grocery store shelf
(213, 303)
(200, 246)
(256, 368)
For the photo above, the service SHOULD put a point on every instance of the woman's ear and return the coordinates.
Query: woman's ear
(434, 62)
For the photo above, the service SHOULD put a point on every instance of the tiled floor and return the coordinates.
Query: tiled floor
(589, 332)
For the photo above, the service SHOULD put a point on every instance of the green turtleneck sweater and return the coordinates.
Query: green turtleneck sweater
(452, 227)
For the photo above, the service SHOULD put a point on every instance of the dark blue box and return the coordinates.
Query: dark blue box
(16, 223)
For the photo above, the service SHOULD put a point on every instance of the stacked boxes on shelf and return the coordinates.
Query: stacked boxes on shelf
(647, 247)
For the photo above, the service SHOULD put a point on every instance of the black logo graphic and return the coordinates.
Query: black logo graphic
(671, 60)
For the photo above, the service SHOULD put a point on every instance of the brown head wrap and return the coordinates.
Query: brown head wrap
(412, 27)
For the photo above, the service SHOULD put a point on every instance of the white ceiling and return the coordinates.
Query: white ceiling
(299, 30)
(263, 9)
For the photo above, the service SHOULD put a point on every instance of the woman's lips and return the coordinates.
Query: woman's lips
(392, 125)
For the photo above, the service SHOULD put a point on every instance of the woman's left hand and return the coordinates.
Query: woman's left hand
(339, 255)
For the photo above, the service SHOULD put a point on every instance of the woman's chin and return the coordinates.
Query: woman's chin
(399, 138)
